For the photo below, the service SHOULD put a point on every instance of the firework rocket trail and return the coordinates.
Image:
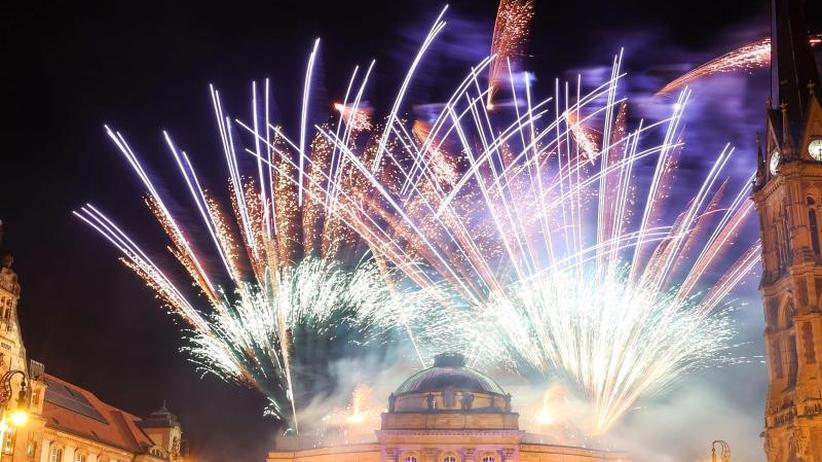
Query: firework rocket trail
(511, 29)
(754, 55)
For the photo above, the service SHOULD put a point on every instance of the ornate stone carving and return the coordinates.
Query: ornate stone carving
(800, 441)
(391, 454)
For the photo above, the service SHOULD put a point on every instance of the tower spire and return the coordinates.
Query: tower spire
(793, 68)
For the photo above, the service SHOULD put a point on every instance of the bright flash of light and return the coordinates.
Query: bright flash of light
(19, 418)
(360, 416)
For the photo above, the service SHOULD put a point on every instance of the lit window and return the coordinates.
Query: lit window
(79, 457)
(8, 441)
(56, 455)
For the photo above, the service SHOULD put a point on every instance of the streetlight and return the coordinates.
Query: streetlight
(725, 451)
(19, 416)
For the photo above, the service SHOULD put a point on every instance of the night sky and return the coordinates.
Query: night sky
(70, 67)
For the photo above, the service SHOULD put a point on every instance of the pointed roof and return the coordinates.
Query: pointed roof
(75, 410)
(161, 418)
(793, 68)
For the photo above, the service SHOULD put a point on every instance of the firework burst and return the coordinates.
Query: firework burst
(561, 237)
(282, 278)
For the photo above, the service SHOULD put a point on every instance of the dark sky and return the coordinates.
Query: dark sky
(69, 67)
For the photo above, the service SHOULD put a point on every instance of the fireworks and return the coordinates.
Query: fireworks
(287, 276)
(551, 227)
(511, 29)
(360, 417)
(552, 237)
(754, 55)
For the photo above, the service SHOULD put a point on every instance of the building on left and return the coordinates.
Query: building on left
(47, 419)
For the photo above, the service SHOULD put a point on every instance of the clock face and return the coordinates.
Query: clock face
(774, 165)
(815, 149)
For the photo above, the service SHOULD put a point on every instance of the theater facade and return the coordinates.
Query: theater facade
(446, 413)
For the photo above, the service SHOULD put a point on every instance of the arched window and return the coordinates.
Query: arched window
(410, 459)
(489, 459)
(449, 458)
(78, 457)
(813, 225)
(56, 455)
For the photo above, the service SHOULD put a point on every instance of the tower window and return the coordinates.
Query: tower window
(807, 339)
(449, 459)
(814, 227)
(410, 459)
(776, 353)
(489, 459)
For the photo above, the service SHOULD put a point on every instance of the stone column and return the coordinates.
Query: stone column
(391, 454)
(468, 454)
(508, 454)
(68, 454)
(45, 449)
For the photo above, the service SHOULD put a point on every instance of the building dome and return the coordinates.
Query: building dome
(449, 372)
(449, 396)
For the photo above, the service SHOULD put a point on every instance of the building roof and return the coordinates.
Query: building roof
(161, 418)
(449, 371)
(793, 67)
(78, 411)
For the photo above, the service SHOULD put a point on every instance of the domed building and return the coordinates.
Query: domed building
(446, 413)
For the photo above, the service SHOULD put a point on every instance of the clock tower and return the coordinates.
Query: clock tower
(788, 198)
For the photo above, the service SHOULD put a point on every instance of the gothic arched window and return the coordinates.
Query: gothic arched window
(813, 225)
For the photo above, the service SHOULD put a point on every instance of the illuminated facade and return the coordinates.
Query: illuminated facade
(446, 413)
(788, 197)
(65, 422)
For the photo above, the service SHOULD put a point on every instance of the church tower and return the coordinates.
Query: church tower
(12, 351)
(788, 198)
